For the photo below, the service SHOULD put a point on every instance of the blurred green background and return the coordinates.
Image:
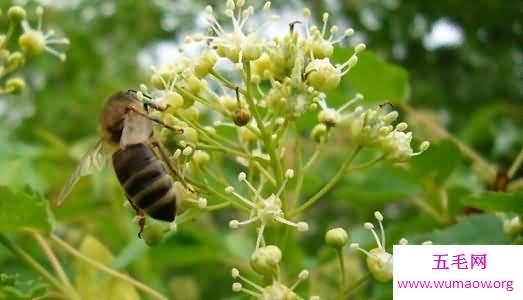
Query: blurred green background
(465, 70)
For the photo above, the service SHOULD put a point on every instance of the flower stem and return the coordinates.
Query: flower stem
(516, 164)
(329, 185)
(353, 288)
(266, 136)
(343, 278)
(441, 132)
(144, 288)
(52, 259)
(31, 262)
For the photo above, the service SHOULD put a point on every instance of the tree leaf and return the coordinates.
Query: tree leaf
(376, 79)
(481, 229)
(438, 162)
(497, 201)
(20, 210)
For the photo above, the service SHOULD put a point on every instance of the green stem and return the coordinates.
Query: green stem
(266, 136)
(32, 263)
(353, 288)
(329, 185)
(441, 132)
(226, 81)
(8, 35)
(341, 261)
(515, 165)
(55, 263)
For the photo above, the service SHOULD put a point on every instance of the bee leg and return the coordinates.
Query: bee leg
(141, 222)
(156, 120)
(141, 217)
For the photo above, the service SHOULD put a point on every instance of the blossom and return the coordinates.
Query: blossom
(277, 290)
(34, 41)
(264, 210)
(379, 261)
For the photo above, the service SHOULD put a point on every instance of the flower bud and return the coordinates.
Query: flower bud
(32, 42)
(247, 135)
(319, 132)
(265, 260)
(14, 61)
(16, 14)
(380, 264)
(336, 238)
(322, 75)
(241, 116)
(194, 84)
(191, 113)
(200, 158)
(189, 135)
(15, 85)
(154, 232)
(322, 49)
(173, 100)
(205, 64)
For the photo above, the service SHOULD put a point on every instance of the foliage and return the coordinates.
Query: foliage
(465, 189)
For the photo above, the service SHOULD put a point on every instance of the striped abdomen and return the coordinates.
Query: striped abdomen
(146, 181)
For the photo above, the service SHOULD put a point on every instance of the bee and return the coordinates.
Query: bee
(141, 164)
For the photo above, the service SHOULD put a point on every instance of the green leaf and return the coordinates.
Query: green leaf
(438, 162)
(497, 201)
(379, 184)
(481, 229)
(106, 287)
(11, 288)
(376, 79)
(20, 210)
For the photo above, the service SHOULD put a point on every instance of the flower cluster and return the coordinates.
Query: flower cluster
(265, 261)
(237, 92)
(264, 210)
(372, 127)
(31, 42)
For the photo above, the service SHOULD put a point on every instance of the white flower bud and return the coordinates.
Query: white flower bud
(289, 173)
(403, 241)
(237, 287)
(368, 226)
(354, 246)
(235, 273)
(242, 176)
(424, 146)
(187, 151)
(234, 224)
(402, 126)
(336, 238)
(229, 189)
(304, 275)
(378, 216)
(302, 226)
(202, 203)
(359, 48)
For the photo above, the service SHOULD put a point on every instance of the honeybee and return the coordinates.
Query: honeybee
(126, 131)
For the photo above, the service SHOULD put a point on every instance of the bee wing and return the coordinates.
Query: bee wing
(92, 162)
(136, 129)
